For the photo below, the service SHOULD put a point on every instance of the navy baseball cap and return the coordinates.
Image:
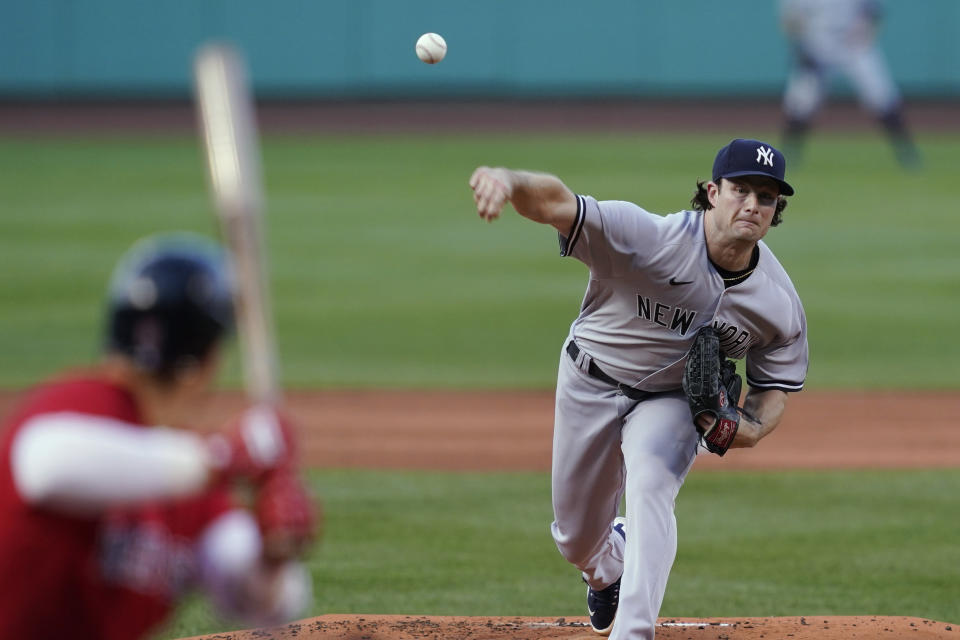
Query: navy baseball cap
(751, 158)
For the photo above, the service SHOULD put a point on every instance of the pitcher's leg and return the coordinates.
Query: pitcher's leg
(659, 446)
(587, 478)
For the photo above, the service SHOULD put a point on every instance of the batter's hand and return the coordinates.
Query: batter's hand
(288, 517)
(258, 442)
(492, 188)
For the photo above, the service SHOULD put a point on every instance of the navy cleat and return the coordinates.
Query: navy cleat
(602, 607)
(602, 604)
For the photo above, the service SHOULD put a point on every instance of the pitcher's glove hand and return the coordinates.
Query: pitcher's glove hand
(713, 390)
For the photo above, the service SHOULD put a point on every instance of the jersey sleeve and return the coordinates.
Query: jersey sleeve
(610, 237)
(783, 363)
(231, 563)
(81, 463)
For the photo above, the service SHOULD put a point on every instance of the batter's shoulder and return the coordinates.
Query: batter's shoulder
(80, 392)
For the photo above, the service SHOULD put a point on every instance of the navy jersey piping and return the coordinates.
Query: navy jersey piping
(780, 385)
(567, 244)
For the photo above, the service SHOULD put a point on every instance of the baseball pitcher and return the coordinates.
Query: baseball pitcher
(646, 378)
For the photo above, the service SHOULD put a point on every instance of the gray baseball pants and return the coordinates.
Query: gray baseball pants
(604, 445)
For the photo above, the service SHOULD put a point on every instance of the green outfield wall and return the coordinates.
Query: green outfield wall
(364, 48)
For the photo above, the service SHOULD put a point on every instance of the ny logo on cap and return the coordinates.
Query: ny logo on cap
(766, 155)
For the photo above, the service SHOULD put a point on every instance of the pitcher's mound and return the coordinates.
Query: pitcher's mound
(370, 627)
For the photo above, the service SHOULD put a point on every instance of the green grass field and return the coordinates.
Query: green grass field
(751, 544)
(384, 277)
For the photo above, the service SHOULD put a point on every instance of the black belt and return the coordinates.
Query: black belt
(597, 372)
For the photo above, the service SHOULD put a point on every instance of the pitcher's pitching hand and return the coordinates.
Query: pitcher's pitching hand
(492, 188)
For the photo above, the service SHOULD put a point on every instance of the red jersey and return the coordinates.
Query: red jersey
(109, 576)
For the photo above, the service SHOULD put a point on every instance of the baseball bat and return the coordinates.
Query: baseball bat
(231, 142)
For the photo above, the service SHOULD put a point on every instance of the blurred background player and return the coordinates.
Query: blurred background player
(839, 36)
(113, 507)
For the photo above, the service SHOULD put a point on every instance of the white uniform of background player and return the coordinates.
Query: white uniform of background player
(654, 281)
(832, 37)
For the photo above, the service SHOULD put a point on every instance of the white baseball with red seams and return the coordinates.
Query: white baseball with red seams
(431, 48)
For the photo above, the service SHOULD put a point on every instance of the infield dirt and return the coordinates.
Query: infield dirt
(493, 431)
(445, 628)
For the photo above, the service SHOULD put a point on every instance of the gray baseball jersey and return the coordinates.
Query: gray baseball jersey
(652, 286)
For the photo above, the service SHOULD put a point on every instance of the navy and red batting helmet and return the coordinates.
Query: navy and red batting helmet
(170, 302)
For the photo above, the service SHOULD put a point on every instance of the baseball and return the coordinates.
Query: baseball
(431, 48)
